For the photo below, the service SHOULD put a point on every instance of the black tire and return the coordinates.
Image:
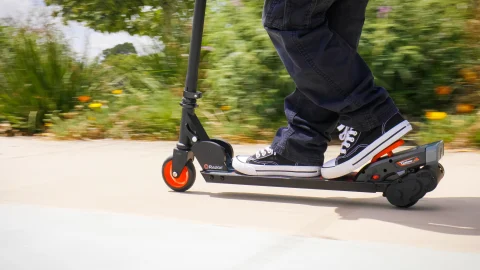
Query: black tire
(182, 183)
(407, 205)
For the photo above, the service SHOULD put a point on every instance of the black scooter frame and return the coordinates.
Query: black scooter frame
(403, 178)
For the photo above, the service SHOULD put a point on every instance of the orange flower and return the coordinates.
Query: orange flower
(83, 98)
(464, 108)
(469, 75)
(443, 90)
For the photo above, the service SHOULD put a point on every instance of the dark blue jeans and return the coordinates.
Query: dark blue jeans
(317, 41)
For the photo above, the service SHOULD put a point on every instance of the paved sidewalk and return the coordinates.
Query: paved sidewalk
(59, 239)
(103, 205)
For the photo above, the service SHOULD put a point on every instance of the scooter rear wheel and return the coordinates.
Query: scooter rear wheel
(184, 181)
(407, 205)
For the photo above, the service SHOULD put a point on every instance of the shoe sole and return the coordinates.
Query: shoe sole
(273, 170)
(367, 154)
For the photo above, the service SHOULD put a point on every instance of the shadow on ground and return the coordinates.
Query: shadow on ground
(456, 215)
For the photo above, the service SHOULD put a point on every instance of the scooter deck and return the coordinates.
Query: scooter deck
(381, 170)
(345, 183)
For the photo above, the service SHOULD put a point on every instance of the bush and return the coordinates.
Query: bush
(145, 113)
(414, 47)
(38, 74)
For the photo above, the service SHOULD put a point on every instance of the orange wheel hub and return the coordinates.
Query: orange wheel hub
(178, 182)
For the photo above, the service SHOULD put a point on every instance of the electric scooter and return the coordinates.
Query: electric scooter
(403, 177)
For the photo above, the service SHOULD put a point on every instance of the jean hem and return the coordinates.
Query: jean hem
(309, 161)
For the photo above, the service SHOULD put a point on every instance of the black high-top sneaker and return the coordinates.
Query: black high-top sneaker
(358, 148)
(268, 163)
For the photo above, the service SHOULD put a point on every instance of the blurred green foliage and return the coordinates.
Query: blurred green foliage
(124, 48)
(454, 130)
(426, 53)
(414, 46)
(37, 74)
(145, 17)
(242, 71)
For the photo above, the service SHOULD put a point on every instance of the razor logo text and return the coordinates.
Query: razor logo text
(408, 161)
(212, 167)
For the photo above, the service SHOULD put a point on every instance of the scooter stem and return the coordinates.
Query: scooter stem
(190, 94)
(195, 45)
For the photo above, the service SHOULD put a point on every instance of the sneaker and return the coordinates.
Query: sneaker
(358, 148)
(268, 163)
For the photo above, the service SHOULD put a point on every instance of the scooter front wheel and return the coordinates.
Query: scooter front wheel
(182, 182)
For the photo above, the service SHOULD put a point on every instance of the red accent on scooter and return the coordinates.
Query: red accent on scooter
(388, 151)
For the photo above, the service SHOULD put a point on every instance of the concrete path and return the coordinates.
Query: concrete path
(103, 205)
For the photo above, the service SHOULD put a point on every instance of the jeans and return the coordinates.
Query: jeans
(317, 42)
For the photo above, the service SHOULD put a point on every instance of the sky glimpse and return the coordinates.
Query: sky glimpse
(80, 37)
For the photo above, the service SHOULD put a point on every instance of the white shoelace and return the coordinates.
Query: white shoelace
(264, 151)
(346, 137)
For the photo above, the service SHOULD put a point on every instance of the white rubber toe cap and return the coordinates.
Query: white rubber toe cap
(331, 171)
(329, 164)
(240, 165)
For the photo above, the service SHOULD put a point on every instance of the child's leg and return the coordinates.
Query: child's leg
(346, 18)
(309, 126)
(332, 81)
(306, 137)
(325, 68)
(359, 146)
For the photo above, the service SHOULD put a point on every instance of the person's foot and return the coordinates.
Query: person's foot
(268, 163)
(358, 148)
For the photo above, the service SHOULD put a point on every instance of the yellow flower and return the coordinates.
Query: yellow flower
(48, 124)
(435, 115)
(225, 108)
(95, 105)
(117, 92)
